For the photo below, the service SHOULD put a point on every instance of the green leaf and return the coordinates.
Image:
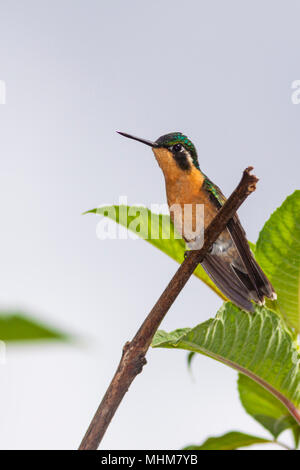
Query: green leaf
(258, 345)
(230, 441)
(190, 357)
(252, 246)
(14, 326)
(156, 229)
(278, 252)
(264, 407)
(296, 434)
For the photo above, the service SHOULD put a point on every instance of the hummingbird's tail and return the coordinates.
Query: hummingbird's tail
(239, 277)
(228, 282)
(254, 278)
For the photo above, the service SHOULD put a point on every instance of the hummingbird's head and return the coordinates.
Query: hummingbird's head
(182, 149)
(172, 149)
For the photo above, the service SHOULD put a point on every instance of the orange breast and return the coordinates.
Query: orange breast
(184, 187)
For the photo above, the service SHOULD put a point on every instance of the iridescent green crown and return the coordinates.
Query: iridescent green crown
(168, 140)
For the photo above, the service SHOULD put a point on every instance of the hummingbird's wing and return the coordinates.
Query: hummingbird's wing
(256, 275)
(227, 281)
(237, 275)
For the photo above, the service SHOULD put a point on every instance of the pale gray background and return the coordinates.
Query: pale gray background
(77, 70)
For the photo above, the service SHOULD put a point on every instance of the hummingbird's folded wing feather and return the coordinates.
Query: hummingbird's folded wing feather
(261, 283)
(252, 277)
(227, 281)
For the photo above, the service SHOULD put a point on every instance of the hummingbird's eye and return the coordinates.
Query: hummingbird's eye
(177, 147)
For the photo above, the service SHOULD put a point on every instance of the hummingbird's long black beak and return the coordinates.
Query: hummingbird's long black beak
(144, 141)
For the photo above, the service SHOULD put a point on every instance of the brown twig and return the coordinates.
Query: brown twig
(133, 357)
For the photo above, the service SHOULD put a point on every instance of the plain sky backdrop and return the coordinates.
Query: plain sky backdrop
(76, 71)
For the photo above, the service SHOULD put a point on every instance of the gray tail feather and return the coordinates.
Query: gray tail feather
(255, 279)
(228, 282)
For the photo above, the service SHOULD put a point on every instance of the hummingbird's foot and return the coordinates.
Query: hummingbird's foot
(186, 254)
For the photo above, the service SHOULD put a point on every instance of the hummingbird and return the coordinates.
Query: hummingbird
(230, 263)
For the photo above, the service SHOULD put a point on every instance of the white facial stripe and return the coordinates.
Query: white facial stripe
(187, 154)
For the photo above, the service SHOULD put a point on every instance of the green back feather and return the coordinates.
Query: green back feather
(216, 194)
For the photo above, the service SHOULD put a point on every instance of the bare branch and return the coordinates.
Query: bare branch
(133, 357)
